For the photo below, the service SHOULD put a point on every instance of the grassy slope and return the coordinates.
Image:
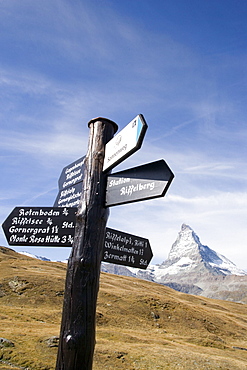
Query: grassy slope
(140, 325)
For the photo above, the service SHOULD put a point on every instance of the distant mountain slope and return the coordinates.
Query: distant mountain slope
(35, 256)
(196, 269)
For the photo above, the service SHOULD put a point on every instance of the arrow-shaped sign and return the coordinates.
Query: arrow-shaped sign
(149, 181)
(40, 226)
(125, 143)
(125, 249)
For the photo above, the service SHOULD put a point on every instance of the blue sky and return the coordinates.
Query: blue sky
(181, 63)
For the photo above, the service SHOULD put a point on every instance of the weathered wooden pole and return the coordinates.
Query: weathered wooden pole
(77, 336)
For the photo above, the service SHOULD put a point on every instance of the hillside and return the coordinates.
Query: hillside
(140, 324)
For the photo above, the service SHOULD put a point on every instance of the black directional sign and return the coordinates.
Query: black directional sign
(40, 226)
(125, 249)
(71, 174)
(149, 181)
(70, 185)
(69, 197)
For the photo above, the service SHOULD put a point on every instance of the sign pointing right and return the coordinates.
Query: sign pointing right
(126, 249)
(125, 143)
(149, 181)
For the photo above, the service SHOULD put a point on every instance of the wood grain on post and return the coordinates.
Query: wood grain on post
(77, 336)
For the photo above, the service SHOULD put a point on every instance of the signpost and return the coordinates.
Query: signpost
(125, 143)
(149, 181)
(77, 335)
(126, 249)
(79, 218)
(40, 226)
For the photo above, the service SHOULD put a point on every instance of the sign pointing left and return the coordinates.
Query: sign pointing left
(40, 226)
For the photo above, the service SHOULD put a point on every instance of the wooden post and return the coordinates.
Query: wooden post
(77, 336)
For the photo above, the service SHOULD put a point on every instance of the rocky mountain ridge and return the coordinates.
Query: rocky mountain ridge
(194, 268)
(187, 253)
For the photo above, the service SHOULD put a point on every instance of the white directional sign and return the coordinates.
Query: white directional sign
(125, 143)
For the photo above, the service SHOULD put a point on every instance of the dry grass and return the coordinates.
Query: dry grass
(140, 325)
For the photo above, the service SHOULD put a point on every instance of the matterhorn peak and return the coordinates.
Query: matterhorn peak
(185, 227)
(187, 254)
(186, 244)
(194, 268)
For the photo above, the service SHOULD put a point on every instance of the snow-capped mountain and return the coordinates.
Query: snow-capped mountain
(191, 267)
(194, 268)
(188, 255)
